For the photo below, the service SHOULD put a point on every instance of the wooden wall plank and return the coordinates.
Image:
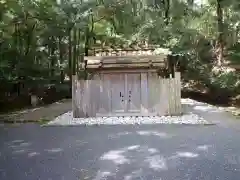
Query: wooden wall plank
(158, 96)
(144, 93)
(74, 98)
(178, 92)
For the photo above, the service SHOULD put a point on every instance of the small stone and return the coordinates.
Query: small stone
(67, 119)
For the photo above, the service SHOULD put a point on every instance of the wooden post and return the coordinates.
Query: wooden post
(178, 93)
(144, 93)
(74, 98)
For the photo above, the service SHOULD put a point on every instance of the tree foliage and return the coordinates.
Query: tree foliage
(44, 40)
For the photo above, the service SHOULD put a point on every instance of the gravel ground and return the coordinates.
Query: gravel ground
(67, 119)
(187, 118)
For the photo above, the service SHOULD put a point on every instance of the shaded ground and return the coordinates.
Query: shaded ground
(47, 112)
(119, 152)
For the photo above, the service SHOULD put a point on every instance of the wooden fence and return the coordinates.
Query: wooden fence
(93, 97)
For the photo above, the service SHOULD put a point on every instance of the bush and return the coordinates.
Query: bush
(226, 79)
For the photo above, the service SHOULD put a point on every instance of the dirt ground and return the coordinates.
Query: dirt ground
(47, 112)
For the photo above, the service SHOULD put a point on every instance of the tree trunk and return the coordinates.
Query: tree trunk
(87, 37)
(220, 40)
(61, 59)
(78, 49)
(166, 13)
(52, 68)
(74, 51)
(70, 58)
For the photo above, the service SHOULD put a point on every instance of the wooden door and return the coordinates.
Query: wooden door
(133, 89)
(117, 93)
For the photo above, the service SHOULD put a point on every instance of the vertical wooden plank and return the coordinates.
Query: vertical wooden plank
(99, 95)
(105, 95)
(174, 96)
(92, 100)
(85, 97)
(94, 95)
(171, 95)
(167, 95)
(166, 86)
(74, 98)
(90, 90)
(133, 92)
(118, 94)
(160, 100)
(102, 96)
(157, 96)
(79, 97)
(178, 92)
(163, 97)
(153, 93)
(150, 93)
(144, 93)
(109, 87)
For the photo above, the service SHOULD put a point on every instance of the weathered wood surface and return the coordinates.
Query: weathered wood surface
(123, 59)
(94, 62)
(157, 96)
(116, 51)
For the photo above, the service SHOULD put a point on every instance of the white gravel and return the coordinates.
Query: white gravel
(187, 118)
(67, 119)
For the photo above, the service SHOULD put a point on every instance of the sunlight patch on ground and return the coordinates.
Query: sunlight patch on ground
(133, 147)
(187, 154)
(124, 133)
(19, 151)
(156, 162)
(54, 150)
(102, 175)
(17, 141)
(143, 158)
(155, 133)
(134, 175)
(152, 150)
(203, 147)
(116, 157)
(205, 108)
(32, 154)
(25, 144)
(190, 102)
